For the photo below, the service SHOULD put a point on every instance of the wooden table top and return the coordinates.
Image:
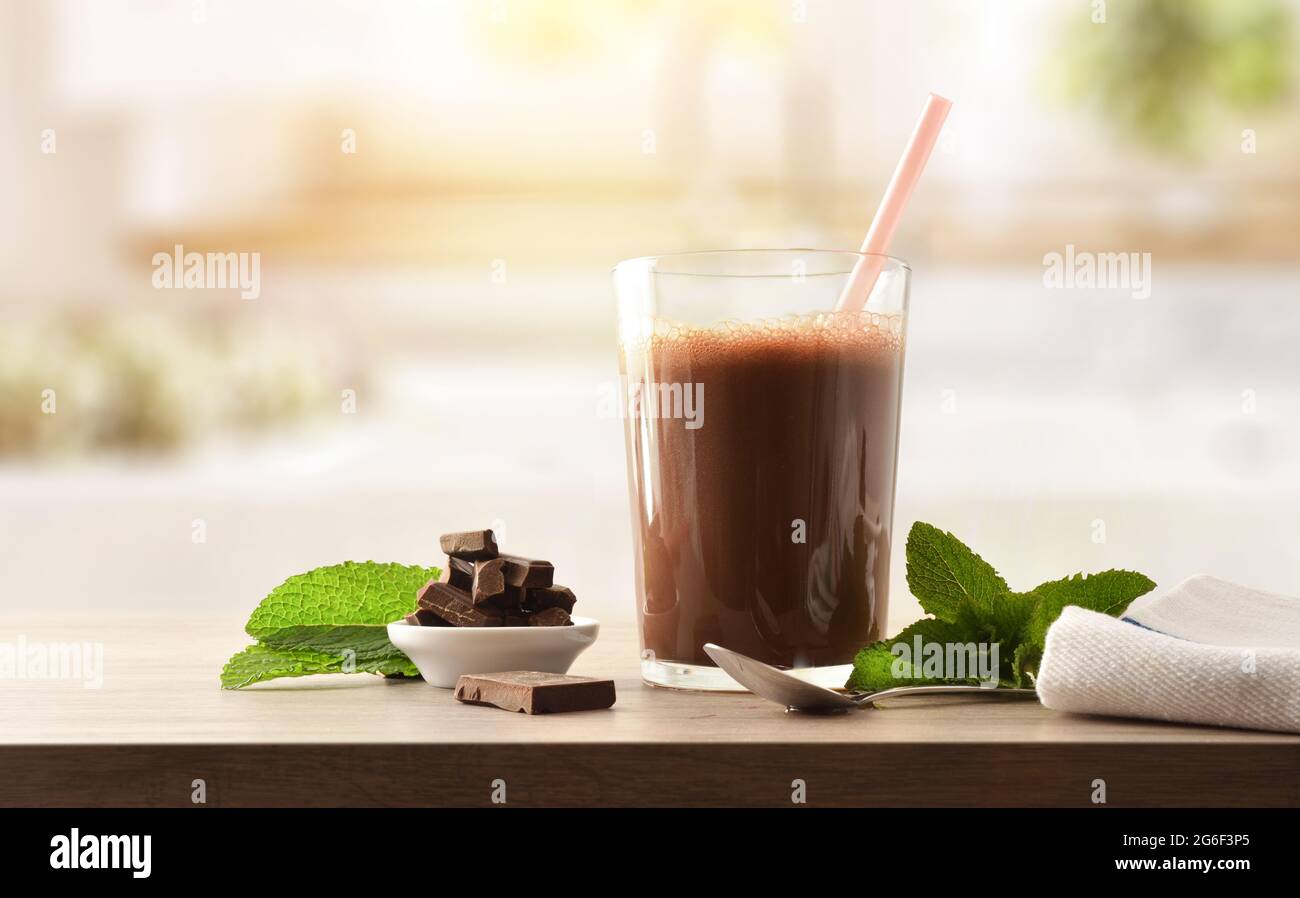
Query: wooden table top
(160, 721)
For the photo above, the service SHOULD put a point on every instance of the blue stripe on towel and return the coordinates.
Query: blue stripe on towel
(1129, 620)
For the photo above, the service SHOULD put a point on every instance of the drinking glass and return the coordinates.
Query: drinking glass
(761, 429)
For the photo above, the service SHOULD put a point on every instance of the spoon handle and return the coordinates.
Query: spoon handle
(869, 698)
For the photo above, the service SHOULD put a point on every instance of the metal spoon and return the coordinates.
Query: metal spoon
(799, 695)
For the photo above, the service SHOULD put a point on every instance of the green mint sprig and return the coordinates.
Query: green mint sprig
(971, 603)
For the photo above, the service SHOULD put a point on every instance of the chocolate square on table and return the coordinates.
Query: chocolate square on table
(535, 693)
(454, 606)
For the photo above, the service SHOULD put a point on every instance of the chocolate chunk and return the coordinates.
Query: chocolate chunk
(515, 620)
(549, 597)
(453, 605)
(459, 572)
(528, 572)
(424, 617)
(535, 693)
(489, 581)
(550, 617)
(472, 545)
(429, 592)
(490, 592)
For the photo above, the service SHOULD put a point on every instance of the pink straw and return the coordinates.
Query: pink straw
(865, 271)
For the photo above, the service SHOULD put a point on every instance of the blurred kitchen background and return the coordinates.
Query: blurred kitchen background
(438, 190)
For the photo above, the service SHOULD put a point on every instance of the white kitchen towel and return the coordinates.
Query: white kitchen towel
(1216, 612)
(1206, 651)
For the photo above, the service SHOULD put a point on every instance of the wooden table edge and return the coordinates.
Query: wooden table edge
(644, 774)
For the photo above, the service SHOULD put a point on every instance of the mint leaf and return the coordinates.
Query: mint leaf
(342, 595)
(945, 575)
(877, 666)
(365, 642)
(1004, 620)
(1108, 592)
(329, 620)
(1025, 654)
(261, 662)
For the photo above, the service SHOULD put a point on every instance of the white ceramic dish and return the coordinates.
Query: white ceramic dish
(444, 653)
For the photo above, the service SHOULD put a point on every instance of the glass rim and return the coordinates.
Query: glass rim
(650, 261)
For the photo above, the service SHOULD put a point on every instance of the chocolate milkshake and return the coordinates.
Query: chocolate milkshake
(763, 522)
